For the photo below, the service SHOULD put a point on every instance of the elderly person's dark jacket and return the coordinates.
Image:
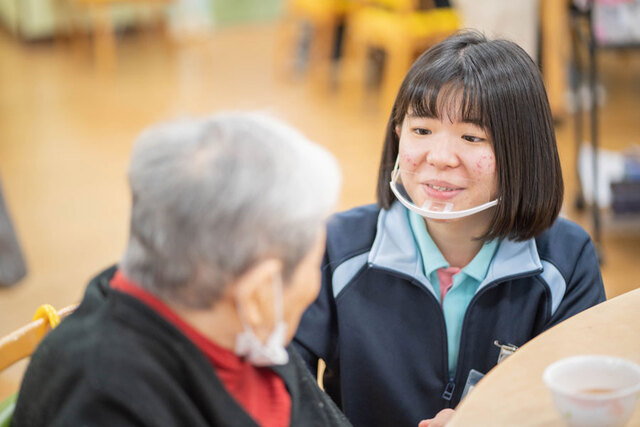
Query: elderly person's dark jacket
(116, 362)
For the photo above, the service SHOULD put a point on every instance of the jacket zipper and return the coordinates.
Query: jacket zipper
(475, 299)
(447, 393)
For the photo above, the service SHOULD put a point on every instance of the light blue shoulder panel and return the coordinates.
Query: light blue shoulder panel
(346, 271)
(394, 247)
(556, 283)
(512, 259)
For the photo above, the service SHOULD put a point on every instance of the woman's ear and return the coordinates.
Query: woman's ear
(398, 129)
(254, 293)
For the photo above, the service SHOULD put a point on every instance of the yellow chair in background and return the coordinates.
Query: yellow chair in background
(322, 18)
(21, 344)
(401, 31)
(99, 13)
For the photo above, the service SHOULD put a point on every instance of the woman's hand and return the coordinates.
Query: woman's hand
(440, 420)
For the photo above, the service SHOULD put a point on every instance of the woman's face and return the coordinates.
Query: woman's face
(304, 285)
(446, 162)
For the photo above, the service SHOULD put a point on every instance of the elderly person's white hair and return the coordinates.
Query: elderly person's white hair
(213, 196)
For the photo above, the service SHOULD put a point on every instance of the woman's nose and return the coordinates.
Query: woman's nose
(443, 152)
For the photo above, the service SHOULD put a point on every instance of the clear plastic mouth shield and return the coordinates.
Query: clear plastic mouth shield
(439, 196)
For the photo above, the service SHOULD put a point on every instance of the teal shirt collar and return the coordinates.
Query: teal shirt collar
(432, 257)
(395, 249)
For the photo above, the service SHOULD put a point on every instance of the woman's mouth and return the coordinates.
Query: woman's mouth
(441, 188)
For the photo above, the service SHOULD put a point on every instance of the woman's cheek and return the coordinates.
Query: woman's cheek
(409, 160)
(486, 164)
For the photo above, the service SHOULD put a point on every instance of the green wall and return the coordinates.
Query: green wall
(227, 12)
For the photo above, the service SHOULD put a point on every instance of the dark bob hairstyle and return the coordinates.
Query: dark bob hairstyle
(495, 85)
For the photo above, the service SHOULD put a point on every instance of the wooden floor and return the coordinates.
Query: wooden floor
(66, 131)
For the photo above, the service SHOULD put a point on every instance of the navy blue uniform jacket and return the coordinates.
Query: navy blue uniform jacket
(381, 330)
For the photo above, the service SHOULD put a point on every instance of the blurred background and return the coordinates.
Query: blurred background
(79, 80)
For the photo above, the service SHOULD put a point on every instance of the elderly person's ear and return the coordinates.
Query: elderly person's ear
(254, 293)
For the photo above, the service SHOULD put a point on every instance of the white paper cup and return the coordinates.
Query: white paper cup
(594, 390)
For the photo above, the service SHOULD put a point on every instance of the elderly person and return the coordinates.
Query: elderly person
(191, 328)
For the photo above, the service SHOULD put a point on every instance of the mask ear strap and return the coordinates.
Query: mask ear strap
(395, 171)
(278, 312)
(277, 297)
(241, 315)
(272, 351)
(397, 165)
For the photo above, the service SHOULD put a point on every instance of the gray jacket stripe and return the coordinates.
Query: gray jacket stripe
(556, 283)
(512, 258)
(346, 271)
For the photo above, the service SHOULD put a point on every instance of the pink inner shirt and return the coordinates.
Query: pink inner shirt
(445, 277)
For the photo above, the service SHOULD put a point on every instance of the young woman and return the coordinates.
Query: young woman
(464, 257)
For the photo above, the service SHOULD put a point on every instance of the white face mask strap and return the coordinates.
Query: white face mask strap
(272, 351)
(278, 313)
(397, 165)
(242, 316)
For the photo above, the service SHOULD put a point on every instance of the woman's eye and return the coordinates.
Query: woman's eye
(421, 131)
(472, 138)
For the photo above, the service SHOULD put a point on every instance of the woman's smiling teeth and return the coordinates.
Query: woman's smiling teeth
(439, 188)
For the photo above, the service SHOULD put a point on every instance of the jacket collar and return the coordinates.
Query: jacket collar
(394, 249)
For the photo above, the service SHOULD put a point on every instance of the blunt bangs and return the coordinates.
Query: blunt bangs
(446, 91)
